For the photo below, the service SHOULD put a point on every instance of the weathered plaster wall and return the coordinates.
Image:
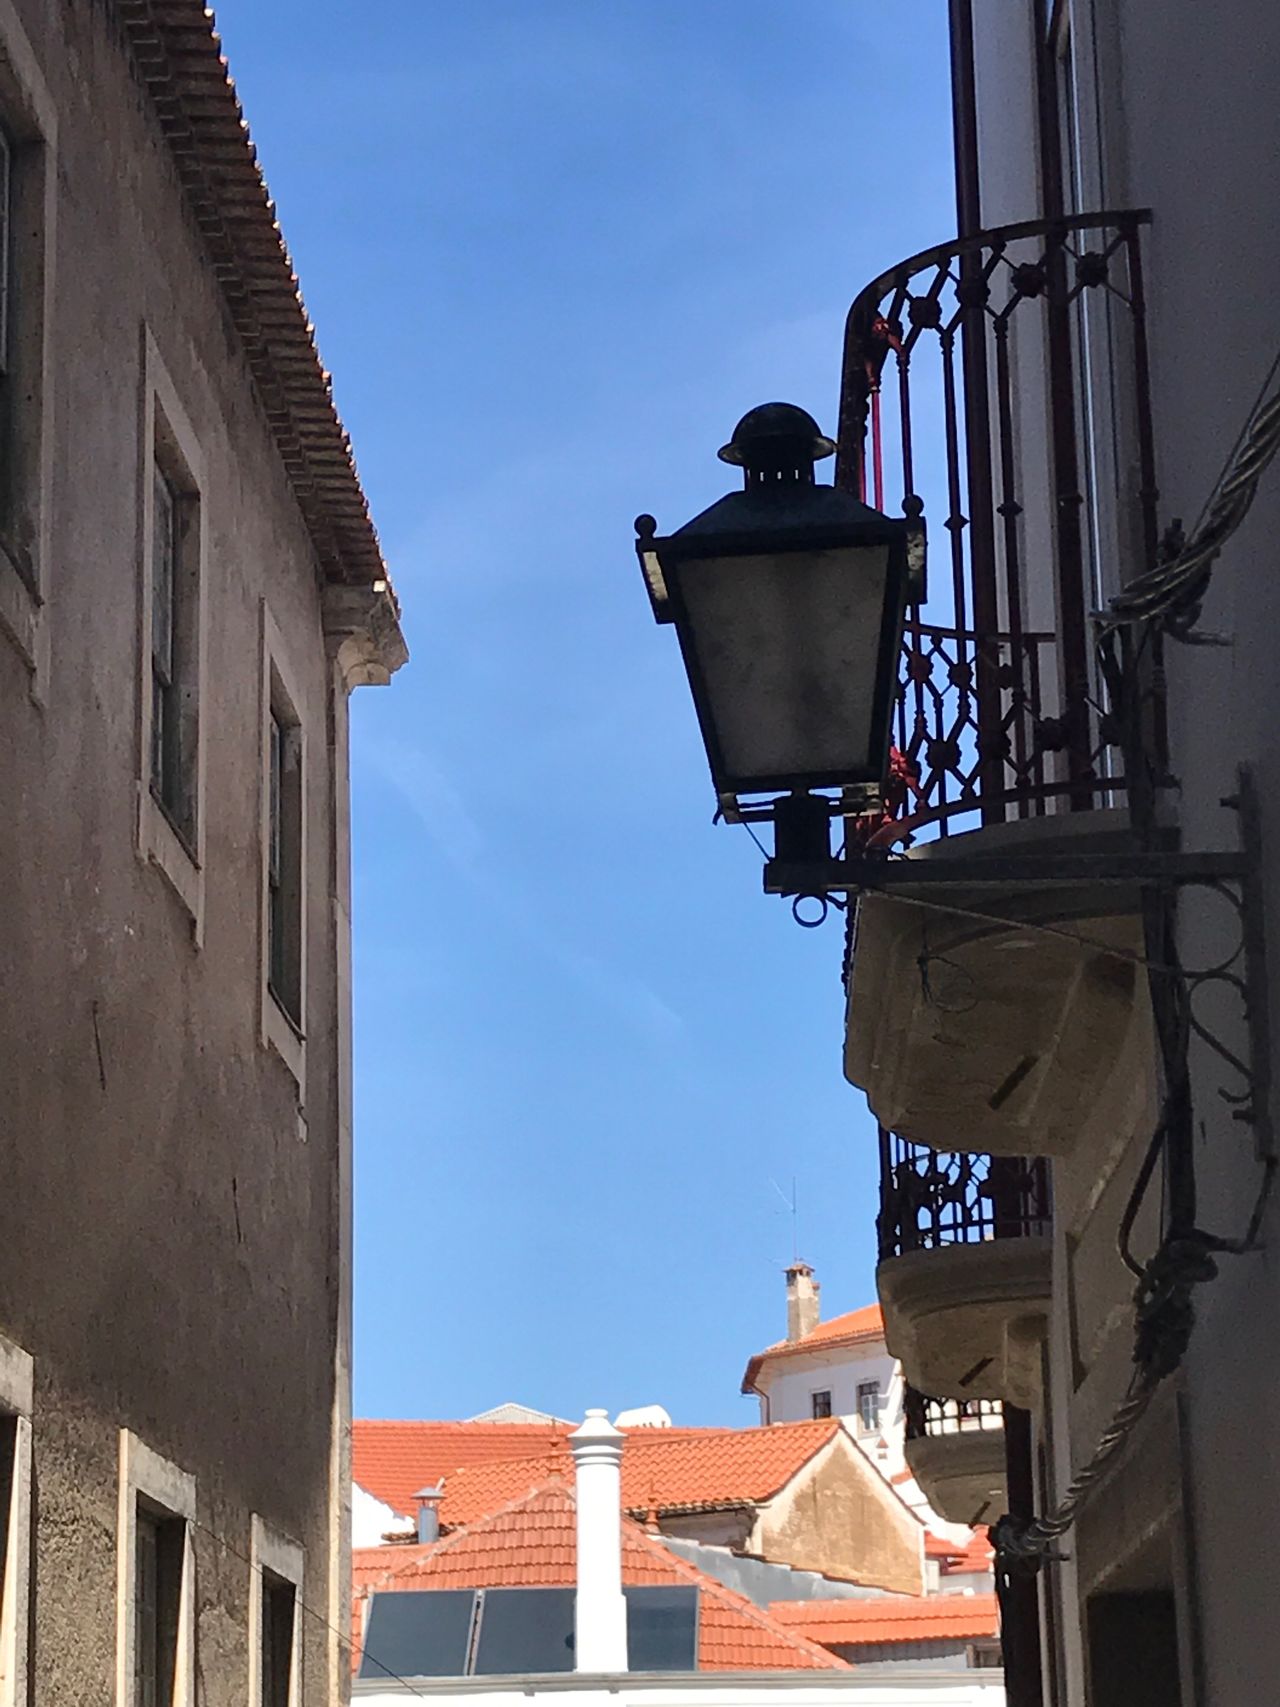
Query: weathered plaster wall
(840, 1517)
(1174, 110)
(168, 1225)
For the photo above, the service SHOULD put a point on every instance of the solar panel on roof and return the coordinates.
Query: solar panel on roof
(662, 1629)
(524, 1630)
(418, 1633)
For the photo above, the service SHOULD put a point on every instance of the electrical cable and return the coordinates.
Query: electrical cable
(321, 1618)
(1172, 593)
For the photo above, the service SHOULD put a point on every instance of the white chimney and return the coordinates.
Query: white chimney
(600, 1612)
(803, 1307)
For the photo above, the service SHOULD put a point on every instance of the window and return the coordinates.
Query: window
(159, 1559)
(868, 1406)
(171, 641)
(155, 1654)
(275, 1634)
(822, 1403)
(28, 190)
(279, 1610)
(15, 1520)
(984, 1656)
(6, 238)
(175, 681)
(284, 857)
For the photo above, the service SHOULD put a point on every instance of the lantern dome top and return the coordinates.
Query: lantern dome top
(776, 435)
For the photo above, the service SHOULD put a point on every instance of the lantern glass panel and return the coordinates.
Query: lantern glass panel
(788, 651)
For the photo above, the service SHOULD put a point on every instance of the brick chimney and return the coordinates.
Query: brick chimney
(600, 1612)
(803, 1308)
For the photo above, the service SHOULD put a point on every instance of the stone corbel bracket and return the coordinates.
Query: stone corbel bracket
(362, 633)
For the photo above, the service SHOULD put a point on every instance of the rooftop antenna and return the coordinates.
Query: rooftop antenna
(792, 1205)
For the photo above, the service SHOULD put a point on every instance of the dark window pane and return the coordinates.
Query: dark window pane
(158, 1566)
(284, 863)
(8, 1470)
(6, 238)
(418, 1633)
(525, 1630)
(662, 1629)
(822, 1404)
(278, 1611)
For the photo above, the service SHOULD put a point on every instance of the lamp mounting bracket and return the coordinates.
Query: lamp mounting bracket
(873, 873)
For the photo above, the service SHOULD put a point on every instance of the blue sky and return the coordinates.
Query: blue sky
(553, 249)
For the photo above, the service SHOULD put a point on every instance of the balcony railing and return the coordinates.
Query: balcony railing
(988, 371)
(930, 1198)
(927, 1418)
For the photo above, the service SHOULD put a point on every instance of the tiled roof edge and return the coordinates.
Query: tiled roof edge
(178, 57)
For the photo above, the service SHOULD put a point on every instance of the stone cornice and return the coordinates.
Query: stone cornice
(362, 634)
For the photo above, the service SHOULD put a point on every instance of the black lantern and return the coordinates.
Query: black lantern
(788, 599)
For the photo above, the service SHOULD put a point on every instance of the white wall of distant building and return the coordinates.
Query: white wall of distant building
(714, 1689)
(371, 1519)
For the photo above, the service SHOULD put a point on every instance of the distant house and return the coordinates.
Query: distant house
(843, 1368)
(800, 1494)
(558, 1587)
(530, 1542)
(839, 1368)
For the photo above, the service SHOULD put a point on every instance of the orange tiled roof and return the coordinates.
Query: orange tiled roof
(975, 1554)
(663, 1470)
(853, 1328)
(891, 1618)
(392, 1460)
(531, 1542)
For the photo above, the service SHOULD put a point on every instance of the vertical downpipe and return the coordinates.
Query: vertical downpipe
(971, 293)
(1020, 1603)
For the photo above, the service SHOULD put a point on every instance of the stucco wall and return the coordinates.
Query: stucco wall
(790, 1383)
(169, 1226)
(839, 1516)
(1175, 110)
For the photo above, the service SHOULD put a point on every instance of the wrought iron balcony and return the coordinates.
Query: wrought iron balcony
(964, 1270)
(974, 394)
(985, 384)
(955, 1450)
(930, 1199)
(926, 1417)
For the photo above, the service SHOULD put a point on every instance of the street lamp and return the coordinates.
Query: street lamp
(788, 600)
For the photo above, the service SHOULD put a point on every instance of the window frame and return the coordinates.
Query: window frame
(171, 833)
(273, 1559)
(281, 1030)
(17, 1389)
(815, 1412)
(864, 1390)
(29, 119)
(169, 1493)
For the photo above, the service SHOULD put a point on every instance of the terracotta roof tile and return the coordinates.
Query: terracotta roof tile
(663, 1470)
(891, 1618)
(178, 57)
(532, 1542)
(853, 1328)
(392, 1460)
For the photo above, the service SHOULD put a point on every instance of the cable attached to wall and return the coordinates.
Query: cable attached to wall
(1173, 592)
